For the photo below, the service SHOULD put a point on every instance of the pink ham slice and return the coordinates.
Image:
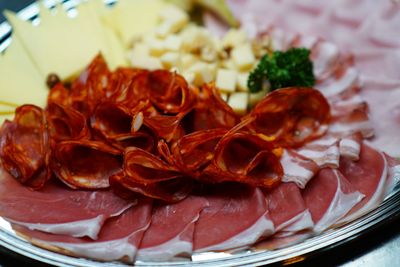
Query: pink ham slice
(288, 211)
(329, 197)
(170, 235)
(393, 174)
(118, 240)
(237, 217)
(58, 209)
(368, 175)
(297, 169)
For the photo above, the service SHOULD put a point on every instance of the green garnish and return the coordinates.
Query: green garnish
(283, 69)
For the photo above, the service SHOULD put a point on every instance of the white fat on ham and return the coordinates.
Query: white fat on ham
(337, 85)
(350, 146)
(323, 151)
(170, 235)
(236, 218)
(368, 175)
(287, 210)
(325, 56)
(118, 240)
(58, 209)
(297, 169)
(329, 197)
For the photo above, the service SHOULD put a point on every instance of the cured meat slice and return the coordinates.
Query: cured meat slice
(85, 164)
(66, 123)
(336, 197)
(291, 116)
(297, 168)
(24, 146)
(236, 217)
(170, 235)
(287, 210)
(323, 151)
(393, 174)
(245, 158)
(119, 238)
(355, 121)
(368, 175)
(57, 209)
(350, 146)
(196, 150)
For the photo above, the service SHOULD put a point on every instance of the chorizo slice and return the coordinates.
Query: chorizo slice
(85, 164)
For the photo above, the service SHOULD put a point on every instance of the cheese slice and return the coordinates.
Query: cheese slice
(20, 81)
(132, 18)
(60, 44)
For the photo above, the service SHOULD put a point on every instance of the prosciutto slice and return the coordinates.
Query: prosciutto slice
(288, 211)
(170, 235)
(368, 175)
(236, 217)
(336, 197)
(58, 209)
(119, 238)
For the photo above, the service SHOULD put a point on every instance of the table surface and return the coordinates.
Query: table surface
(379, 246)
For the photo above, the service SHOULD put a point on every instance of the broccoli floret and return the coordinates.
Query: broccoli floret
(283, 69)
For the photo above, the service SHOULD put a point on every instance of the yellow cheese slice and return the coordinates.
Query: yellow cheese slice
(132, 18)
(20, 81)
(60, 44)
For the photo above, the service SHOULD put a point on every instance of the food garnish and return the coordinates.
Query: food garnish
(283, 69)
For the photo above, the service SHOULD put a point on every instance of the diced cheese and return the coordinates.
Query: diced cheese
(203, 73)
(173, 43)
(254, 98)
(147, 62)
(195, 38)
(187, 60)
(189, 77)
(238, 102)
(226, 80)
(173, 19)
(234, 37)
(242, 81)
(156, 47)
(170, 59)
(243, 56)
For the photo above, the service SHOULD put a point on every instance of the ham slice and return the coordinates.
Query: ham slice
(329, 197)
(170, 235)
(323, 151)
(118, 240)
(288, 211)
(236, 217)
(58, 209)
(368, 175)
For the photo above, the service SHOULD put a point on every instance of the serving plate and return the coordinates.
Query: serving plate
(294, 253)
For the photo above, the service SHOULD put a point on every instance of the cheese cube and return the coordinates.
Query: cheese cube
(242, 81)
(189, 77)
(187, 60)
(147, 62)
(238, 102)
(254, 98)
(243, 56)
(224, 96)
(226, 80)
(173, 43)
(173, 19)
(140, 49)
(234, 37)
(156, 47)
(170, 59)
(203, 73)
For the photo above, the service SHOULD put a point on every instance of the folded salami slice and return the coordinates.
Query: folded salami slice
(368, 175)
(57, 209)
(25, 146)
(85, 164)
(236, 217)
(119, 238)
(336, 197)
(170, 235)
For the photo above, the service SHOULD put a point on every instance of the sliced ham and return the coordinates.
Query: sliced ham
(287, 210)
(237, 217)
(170, 235)
(350, 146)
(323, 151)
(393, 174)
(118, 240)
(368, 175)
(58, 209)
(297, 168)
(329, 197)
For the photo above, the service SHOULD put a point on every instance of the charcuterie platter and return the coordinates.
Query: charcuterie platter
(140, 136)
